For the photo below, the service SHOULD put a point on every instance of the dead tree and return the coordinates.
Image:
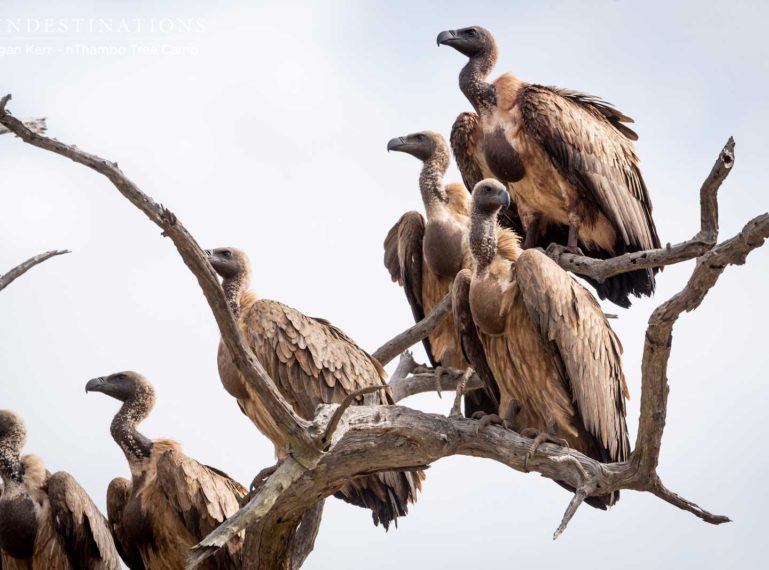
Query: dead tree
(344, 441)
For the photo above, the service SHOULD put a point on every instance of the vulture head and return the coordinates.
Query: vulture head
(489, 196)
(13, 435)
(423, 145)
(124, 386)
(473, 41)
(228, 262)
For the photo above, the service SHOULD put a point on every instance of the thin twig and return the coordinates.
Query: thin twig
(579, 496)
(659, 490)
(22, 268)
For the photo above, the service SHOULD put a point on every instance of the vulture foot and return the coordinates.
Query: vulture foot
(554, 251)
(259, 480)
(540, 437)
(508, 422)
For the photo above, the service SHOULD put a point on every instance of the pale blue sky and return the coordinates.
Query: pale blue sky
(270, 135)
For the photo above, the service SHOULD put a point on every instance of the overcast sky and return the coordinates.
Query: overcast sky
(264, 127)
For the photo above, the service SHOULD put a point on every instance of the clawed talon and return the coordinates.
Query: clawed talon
(507, 422)
(540, 437)
(261, 477)
(439, 372)
(554, 250)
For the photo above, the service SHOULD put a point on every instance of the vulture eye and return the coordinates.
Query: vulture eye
(121, 377)
(227, 254)
(421, 138)
(472, 33)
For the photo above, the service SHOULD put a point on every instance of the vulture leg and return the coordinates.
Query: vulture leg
(539, 438)
(532, 231)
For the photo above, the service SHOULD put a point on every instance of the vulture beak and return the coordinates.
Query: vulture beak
(446, 37)
(96, 385)
(504, 198)
(396, 144)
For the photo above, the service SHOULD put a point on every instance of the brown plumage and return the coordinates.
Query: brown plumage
(172, 502)
(46, 521)
(425, 256)
(546, 340)
(566, 157)
(312, 362)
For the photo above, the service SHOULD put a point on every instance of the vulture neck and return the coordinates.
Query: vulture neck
(472, 80)
(431, 185)
(483, 240)
(234, 287)
(135, 409)
(11, 468)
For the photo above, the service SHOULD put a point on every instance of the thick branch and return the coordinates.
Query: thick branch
(705, 239)
(659, 335)
(22, 268)
(411, 336)
(294, 427)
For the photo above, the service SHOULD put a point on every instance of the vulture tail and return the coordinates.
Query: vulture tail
(618, 289)
(386, 494)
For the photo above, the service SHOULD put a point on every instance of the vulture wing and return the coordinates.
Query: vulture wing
(486, 400)
(202, 496)
(117, 496)
(575, 331)
(311, 361)
(611, 114)
(404, 260)
(314, 362)
(467, 146)
(580, 134)
(84, 530)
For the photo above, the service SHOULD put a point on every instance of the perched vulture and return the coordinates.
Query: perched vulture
(312, 362)
(425, 256)
(566, 157)
(546, 340)
(172, 502)
(46, 521)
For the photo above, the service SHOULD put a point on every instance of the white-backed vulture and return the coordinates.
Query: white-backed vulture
(424, 256)
(172, 502)
(312, 362)
(46, 521)
(546, 340)
(566, 157)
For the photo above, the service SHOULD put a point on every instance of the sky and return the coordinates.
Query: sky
(264, 126)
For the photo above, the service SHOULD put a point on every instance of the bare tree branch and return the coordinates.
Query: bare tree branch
(22, 268)
(293, 426)
(601, 269)
(35, 125)
(411, 336)
(404, 382)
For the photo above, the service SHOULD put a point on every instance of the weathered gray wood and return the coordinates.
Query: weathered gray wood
(25, 266)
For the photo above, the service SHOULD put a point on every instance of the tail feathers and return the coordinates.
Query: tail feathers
(386, 494)
(618, 289)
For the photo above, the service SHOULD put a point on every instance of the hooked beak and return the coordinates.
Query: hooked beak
(446, 37)
(396, 143)
(504, 198)
(96, 385)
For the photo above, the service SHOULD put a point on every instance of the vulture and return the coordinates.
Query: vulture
(172, 502)
(312, 362)
(546, 340)
(46, 521)
(566, 157)
(424, 257)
